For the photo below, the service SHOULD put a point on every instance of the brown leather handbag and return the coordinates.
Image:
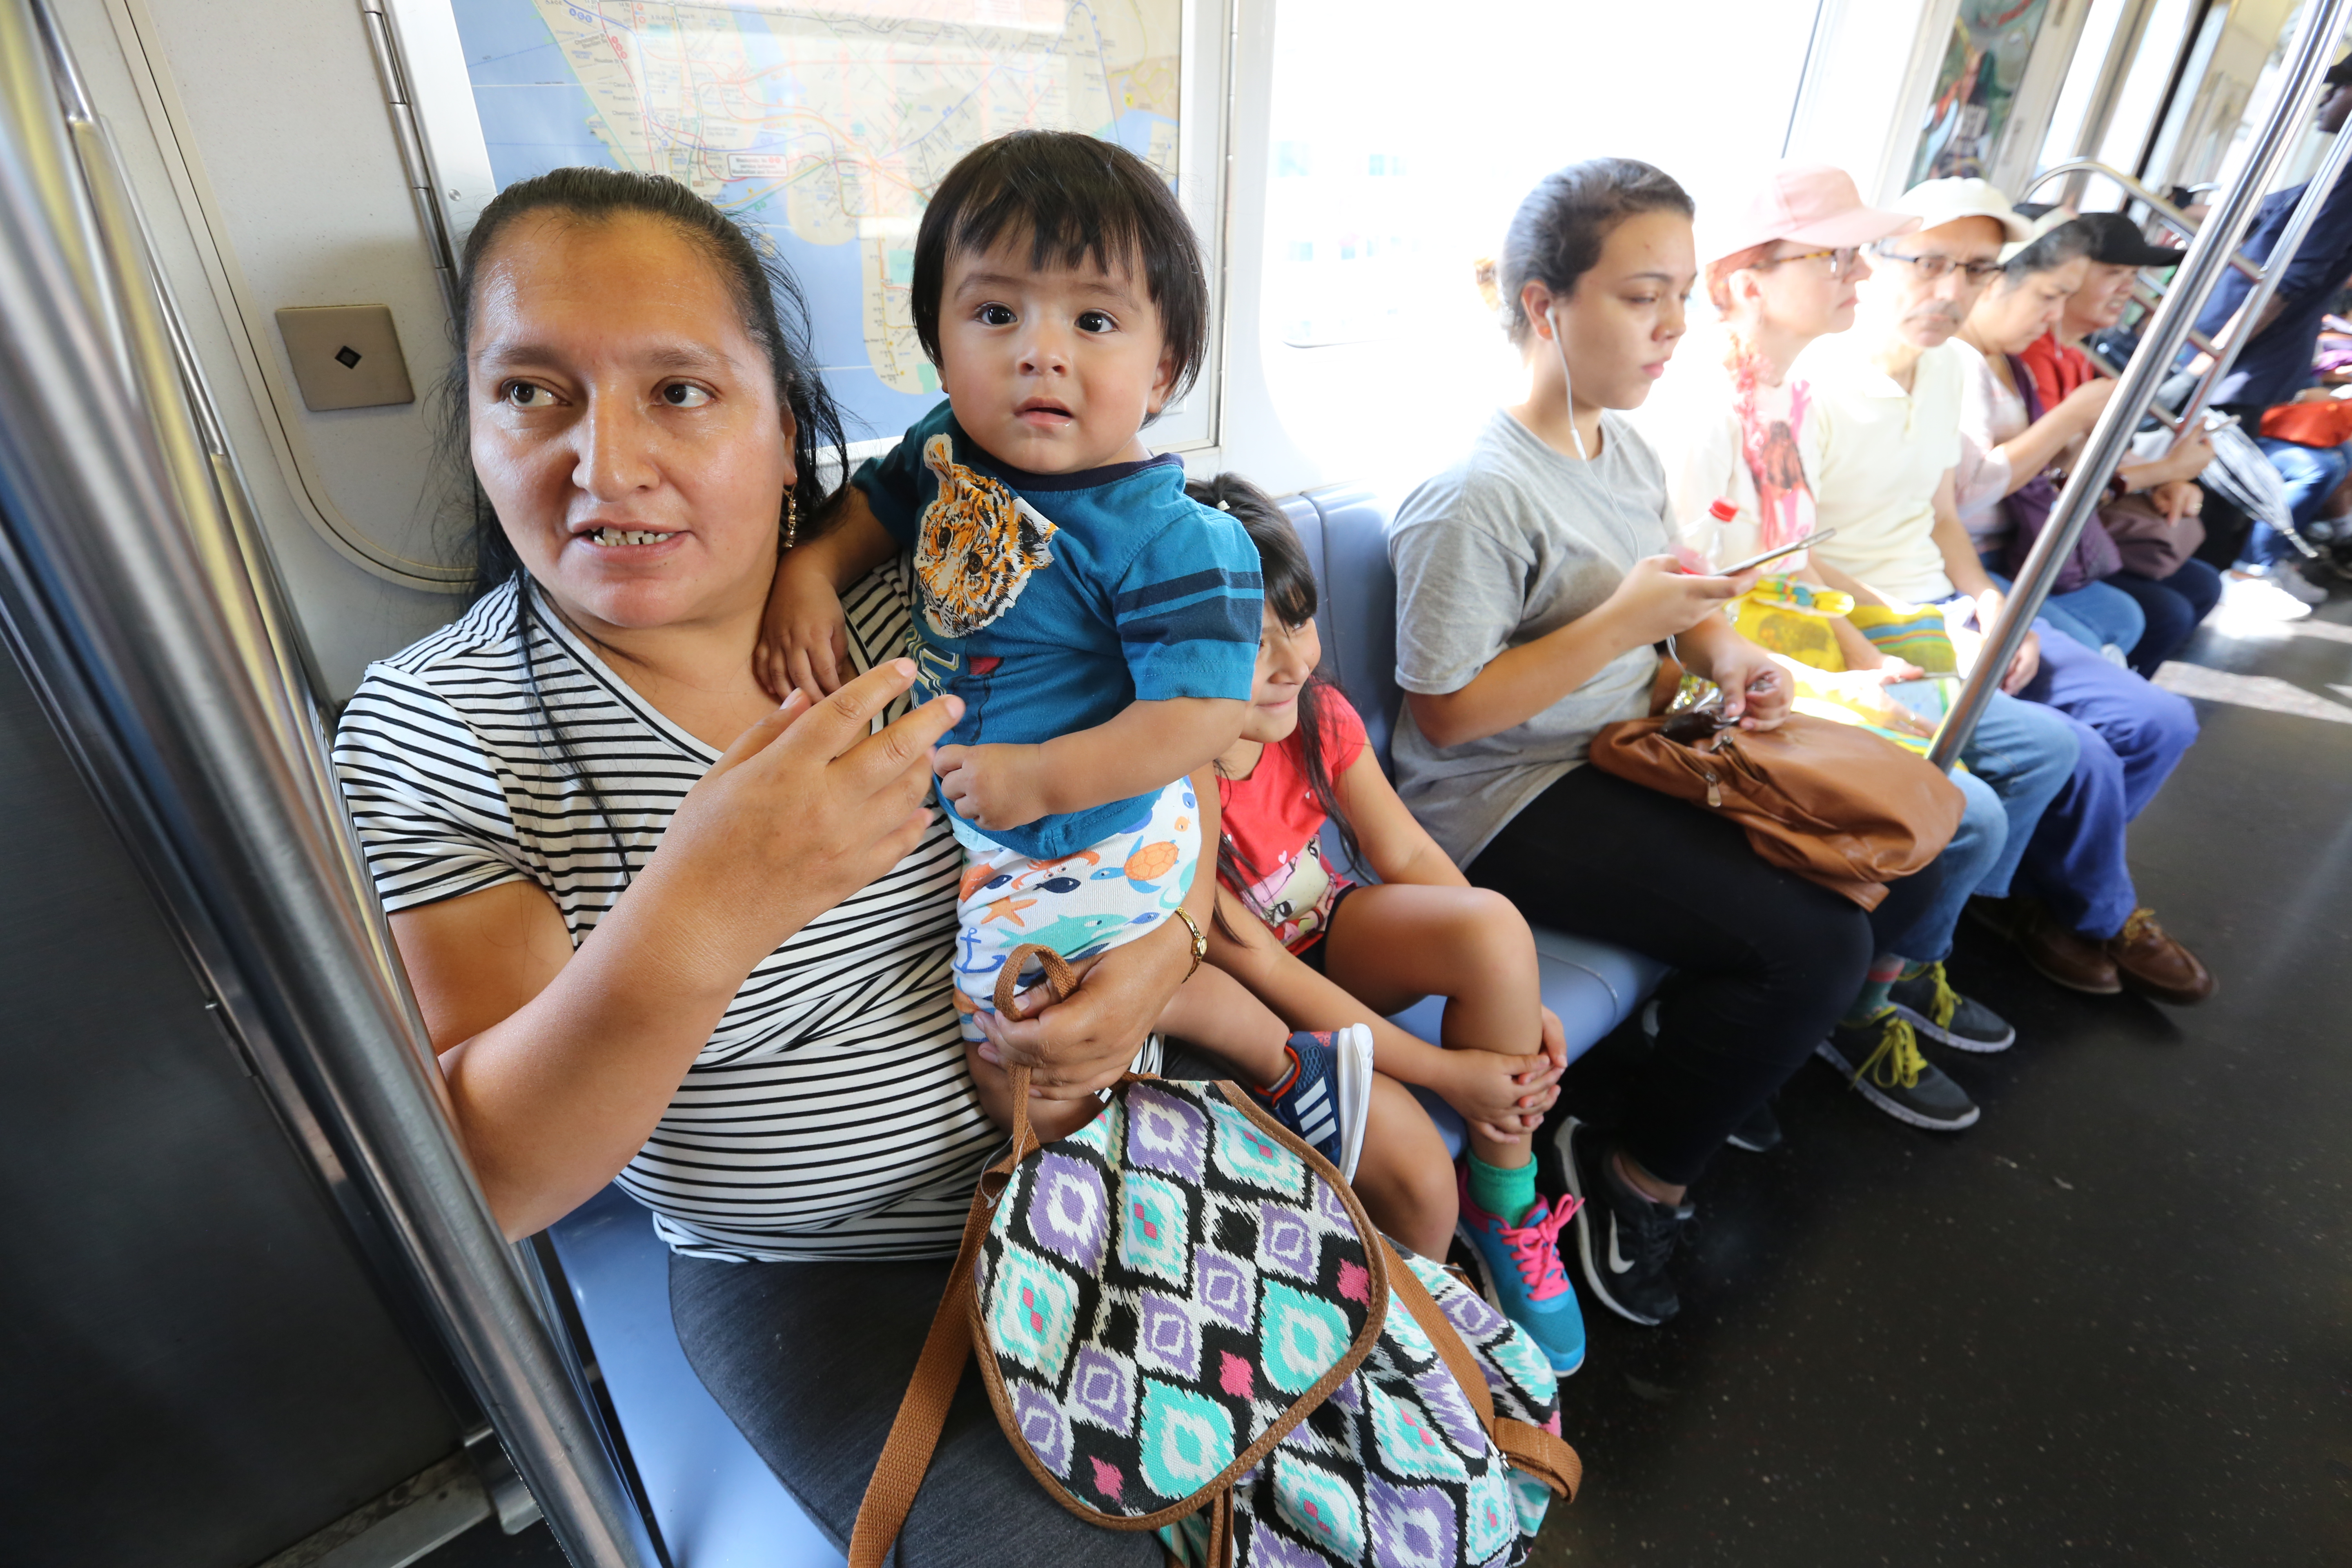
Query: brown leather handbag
(1833, 802)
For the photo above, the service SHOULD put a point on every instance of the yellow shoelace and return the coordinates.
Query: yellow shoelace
(1897, 1063)
(1946, 1001)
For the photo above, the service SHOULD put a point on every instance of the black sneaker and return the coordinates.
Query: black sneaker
(1623, 1239)
(1758, 1131)
(1882, 1059)
(1942, 1013)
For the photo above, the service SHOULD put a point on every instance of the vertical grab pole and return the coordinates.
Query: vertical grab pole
(122, 586)
(2216, 243)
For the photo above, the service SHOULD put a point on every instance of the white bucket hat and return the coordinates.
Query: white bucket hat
(1937, 202)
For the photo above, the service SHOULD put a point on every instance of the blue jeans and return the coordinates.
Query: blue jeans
(2026, 754)
(2311, 475)
(2129, 736)
(2093, 614)
(1916, 923)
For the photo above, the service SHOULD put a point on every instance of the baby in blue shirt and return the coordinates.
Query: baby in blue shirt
(1101, 627)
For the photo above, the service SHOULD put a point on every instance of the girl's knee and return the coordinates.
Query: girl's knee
(1488, 932)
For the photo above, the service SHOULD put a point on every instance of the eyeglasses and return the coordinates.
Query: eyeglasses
(1933, 267)
(1842, 259)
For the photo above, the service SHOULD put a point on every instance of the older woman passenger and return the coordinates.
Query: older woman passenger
(1731, 421)
(664, 930)
(2013, 439)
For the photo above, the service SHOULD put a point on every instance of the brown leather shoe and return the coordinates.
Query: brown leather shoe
(2078, 963)
(2154, 964)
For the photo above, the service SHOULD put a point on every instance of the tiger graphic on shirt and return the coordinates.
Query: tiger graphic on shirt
(975, 545)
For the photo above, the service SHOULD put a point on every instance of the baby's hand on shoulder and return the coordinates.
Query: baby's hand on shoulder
(803, 635)
(994, 787)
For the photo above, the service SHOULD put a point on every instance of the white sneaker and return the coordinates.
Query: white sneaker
(2260, 598)
(2287, 576)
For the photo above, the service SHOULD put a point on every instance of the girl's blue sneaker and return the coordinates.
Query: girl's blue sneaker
(1524, 1278)
(1328, 1093)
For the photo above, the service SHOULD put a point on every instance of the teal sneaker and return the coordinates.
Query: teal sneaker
(1525, 1281)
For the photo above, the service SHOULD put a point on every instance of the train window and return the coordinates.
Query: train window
(824, 131)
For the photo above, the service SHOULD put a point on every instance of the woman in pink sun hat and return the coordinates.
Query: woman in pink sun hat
(1731, 420)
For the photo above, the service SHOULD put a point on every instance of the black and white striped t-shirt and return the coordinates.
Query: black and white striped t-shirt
(831, 1114)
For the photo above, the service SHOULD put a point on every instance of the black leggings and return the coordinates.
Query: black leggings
(1765, 961)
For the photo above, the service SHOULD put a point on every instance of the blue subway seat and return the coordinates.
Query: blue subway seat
(717, 1503)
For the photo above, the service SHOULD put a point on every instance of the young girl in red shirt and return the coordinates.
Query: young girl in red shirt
(1322, 948)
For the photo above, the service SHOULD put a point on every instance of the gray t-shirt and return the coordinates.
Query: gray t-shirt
(1514, 543)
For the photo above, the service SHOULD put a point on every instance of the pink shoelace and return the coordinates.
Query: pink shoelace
(1535, 1247)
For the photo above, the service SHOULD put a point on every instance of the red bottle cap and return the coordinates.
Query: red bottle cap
(1722, 510)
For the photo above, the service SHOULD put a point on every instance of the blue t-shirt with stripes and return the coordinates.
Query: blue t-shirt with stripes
(1050, 602)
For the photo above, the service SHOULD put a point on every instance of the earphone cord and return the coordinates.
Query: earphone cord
(1560, 347)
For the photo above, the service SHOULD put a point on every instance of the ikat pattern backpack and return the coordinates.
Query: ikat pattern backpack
(1187, 1323)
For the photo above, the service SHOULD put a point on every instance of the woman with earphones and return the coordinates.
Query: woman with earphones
(1536, 580)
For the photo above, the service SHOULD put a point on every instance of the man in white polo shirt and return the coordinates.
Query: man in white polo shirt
(1889, 407)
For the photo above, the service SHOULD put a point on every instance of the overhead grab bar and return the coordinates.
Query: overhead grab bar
(144, 623)
(2213, 246)
(2159, 207)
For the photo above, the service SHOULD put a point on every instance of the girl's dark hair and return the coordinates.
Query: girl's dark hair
(1290, 594)
(1556, 236)
(1078, 199)
(2067, 242)
(773, 313)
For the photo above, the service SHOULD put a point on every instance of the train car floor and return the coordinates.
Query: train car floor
(2110, 1324)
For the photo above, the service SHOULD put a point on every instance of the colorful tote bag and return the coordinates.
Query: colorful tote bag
(1187, 1323)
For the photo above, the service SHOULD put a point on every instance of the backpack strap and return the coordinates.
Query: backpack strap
(923, 1411)
(1529, 1447)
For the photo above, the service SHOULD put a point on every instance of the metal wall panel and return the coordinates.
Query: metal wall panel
(194, 1368)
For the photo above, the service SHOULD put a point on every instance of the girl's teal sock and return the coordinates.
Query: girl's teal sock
(1507, 1194)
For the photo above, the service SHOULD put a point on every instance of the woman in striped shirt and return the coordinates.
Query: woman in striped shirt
(663, 930)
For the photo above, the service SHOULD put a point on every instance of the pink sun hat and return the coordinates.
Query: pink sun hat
(1809, 203)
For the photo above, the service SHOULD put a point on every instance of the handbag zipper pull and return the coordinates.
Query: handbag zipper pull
(1713, 791)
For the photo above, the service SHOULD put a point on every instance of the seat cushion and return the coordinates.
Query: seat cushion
(717, 1503)
(1359, 606)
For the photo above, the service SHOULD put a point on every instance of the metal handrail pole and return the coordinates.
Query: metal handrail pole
(145, 611)
(2199, 269)
(2172, 217)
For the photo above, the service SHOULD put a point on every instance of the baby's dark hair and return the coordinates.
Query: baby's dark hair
(1078, 199)
(1291, 595)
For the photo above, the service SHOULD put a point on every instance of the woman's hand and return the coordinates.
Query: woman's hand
(1080, 1045)
(803, 637)
(2178, 498)
(2187, 459)
(806, 807)
(2028, 662)
(1756, 690)
(1657, 599)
